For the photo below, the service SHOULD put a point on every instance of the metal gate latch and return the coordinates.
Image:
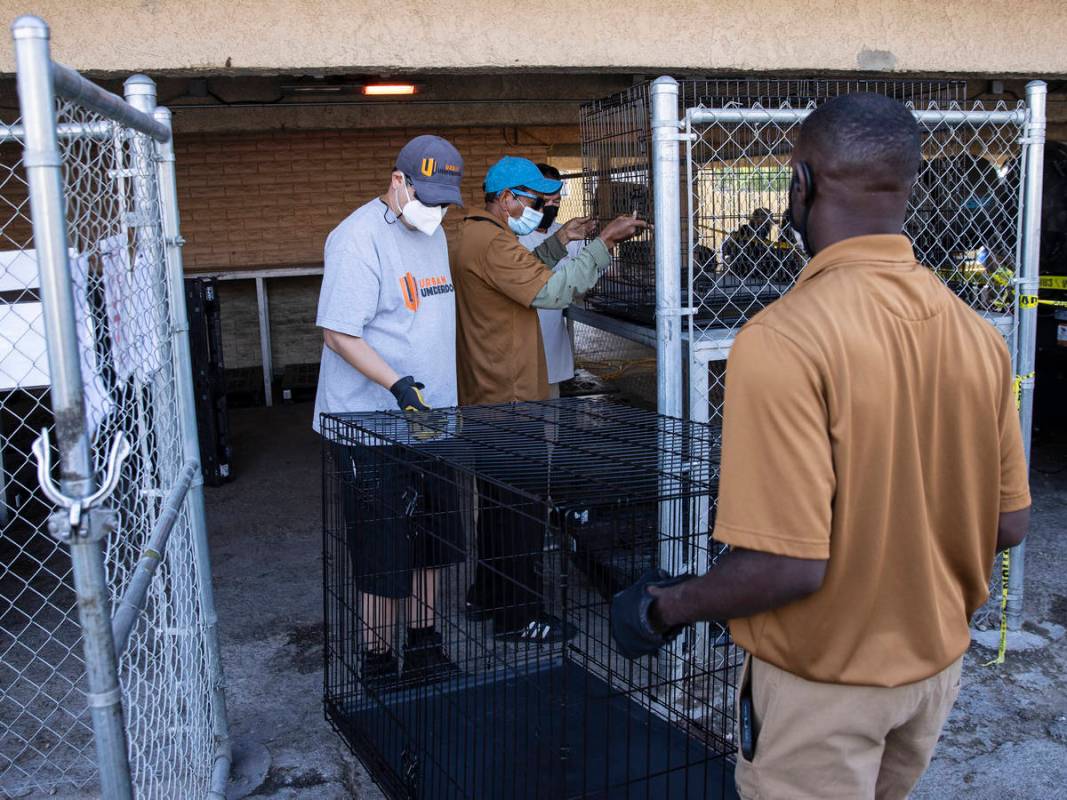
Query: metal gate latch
(72, 522)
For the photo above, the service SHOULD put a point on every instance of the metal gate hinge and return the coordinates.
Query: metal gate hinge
(175, 241)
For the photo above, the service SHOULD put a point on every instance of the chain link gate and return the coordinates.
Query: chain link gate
(107, 621)
(973, 218)
(720, 249)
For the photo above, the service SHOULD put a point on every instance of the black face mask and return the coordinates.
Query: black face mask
(800, 226)
(549, 217)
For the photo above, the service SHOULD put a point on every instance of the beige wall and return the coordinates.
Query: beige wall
(957, 36)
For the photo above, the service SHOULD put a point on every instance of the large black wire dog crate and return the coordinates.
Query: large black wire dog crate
(744, 256)
(470, 558)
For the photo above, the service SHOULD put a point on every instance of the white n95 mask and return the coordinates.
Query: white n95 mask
(420, 216)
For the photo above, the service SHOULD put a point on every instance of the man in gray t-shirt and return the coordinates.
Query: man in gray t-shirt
(387, 310)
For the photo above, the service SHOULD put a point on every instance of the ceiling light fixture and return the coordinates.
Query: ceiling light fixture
(388, 89)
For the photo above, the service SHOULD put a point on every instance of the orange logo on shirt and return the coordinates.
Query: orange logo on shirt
(415, 290)
(410, 290)
(428, 166)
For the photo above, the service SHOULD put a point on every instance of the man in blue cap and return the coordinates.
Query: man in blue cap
(387, 310)
(500, 358)
(499, 283)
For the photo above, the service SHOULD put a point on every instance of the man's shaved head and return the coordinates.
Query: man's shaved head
(868, 141)
(854, 166)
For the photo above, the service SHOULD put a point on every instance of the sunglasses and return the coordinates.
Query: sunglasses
(538, 201)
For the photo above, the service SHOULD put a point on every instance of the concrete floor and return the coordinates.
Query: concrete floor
(1007, 736)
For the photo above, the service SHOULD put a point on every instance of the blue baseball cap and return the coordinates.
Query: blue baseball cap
(511, 172)
(435, 168)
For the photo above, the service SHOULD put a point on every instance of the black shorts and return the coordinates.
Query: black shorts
(399, 516)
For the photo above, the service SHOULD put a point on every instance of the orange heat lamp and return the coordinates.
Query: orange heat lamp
(388, 89)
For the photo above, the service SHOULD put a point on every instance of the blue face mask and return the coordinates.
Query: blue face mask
(527, 223)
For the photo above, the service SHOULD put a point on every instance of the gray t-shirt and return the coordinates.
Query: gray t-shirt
(392, 287)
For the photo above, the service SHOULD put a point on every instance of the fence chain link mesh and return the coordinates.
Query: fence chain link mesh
(738, 252)
(963, 220)
(116, 253)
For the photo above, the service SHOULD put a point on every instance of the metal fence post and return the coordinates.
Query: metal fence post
(1033, 141)
(179, 325)
(43, 165)
(668, 235)
(668, 238)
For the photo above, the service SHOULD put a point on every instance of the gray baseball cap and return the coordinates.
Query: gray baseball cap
(435, 168)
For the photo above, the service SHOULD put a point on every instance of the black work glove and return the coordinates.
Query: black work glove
(407, 394)
(631, 627)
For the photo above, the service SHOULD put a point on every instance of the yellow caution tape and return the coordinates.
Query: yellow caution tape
(1005, 572)
(1057, 303)
(1056, 282)
(1028, 301)
(1017, 388)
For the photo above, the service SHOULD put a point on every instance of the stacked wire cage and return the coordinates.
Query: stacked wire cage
(743, 255)
(511, 528)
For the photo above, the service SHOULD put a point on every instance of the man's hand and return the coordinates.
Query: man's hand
(577, 229)
(407, 394)
(622, 228)
(633, 628)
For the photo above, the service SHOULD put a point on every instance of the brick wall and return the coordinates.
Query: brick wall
(270, 199)
(256, 200)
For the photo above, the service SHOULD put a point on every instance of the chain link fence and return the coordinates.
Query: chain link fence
(963, 220)
(127, 328)
(720, 207)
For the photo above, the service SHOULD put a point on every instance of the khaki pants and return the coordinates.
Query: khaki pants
(824, 740)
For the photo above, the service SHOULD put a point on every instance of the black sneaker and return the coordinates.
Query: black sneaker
(425, 662)
(380, 671)
(542, 629)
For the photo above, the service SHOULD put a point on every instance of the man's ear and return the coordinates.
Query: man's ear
(397, 179)
(803, 183)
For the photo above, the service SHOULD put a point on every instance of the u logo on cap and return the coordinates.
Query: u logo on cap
(428, 166)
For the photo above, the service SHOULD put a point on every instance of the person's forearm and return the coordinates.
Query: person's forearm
(362, 357)
(551, 251)
(575, 278)
(743, 583)
(1012, 527)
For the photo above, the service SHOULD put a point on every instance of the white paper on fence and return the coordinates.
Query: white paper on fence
(23, 348)
(135, 318)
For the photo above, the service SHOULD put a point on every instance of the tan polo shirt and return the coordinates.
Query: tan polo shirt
(499, 355)
(870, 420)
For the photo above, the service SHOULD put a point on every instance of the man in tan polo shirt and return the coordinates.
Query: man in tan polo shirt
(872, 467)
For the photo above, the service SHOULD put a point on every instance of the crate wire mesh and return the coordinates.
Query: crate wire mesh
(607, 357)
(743, 265)
(531, 510)
(116, 252)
